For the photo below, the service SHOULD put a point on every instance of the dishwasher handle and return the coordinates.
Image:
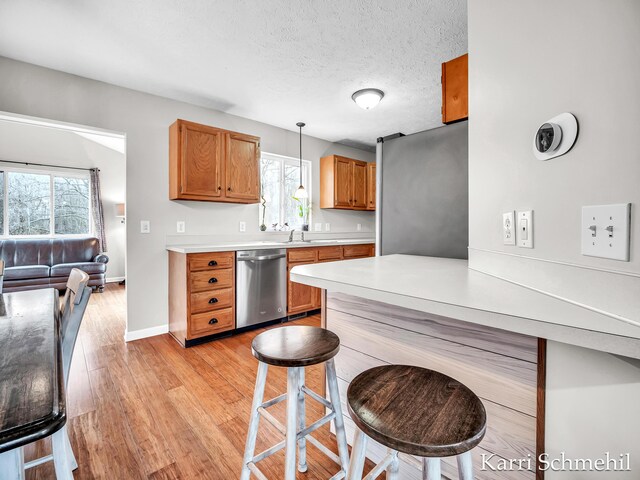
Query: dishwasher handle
(261, 258)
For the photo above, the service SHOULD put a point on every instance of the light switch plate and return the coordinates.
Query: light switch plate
(359, 227)
(180, 226)
(317, 227)
(605, 231)
(508, 228)
(327, 227)
(524, 225)
(145, 226)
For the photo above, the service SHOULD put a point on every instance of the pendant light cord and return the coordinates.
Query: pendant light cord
(300, 154)
(300, 125)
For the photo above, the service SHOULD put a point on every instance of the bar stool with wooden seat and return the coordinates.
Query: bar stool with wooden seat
(414, 411)
(294, 348)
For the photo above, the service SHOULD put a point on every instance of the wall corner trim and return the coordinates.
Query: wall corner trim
(145, 333)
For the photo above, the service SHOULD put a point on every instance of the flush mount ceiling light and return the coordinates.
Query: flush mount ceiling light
(367, 98)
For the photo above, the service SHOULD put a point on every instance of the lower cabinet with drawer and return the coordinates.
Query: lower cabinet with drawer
(304, 298)
(201, 295)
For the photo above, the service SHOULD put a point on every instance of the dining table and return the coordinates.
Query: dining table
(32, 387)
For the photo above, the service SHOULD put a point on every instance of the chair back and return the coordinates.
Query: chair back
(74, 304)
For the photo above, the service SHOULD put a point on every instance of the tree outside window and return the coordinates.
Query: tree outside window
(44, 204)
(279, 179)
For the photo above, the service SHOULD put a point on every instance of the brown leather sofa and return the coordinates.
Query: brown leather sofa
(46, 263)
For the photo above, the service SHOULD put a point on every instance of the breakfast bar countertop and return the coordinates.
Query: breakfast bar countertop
(449, 288)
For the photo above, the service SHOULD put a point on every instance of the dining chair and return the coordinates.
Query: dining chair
(74, 304)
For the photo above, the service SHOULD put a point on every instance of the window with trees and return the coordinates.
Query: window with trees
(44, 203)
(279, 180)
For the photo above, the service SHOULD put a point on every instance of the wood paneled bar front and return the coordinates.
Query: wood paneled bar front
(501, 367)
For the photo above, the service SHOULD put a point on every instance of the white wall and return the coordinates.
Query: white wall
(29, 143)
(529, 61)
(36, 91)
(576, 56)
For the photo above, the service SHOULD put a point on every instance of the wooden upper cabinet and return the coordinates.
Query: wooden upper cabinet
(212, 164)
(371, 186)
(343, 183)
(455, 89)
(242, 172)
(195, 161)
(359, 200)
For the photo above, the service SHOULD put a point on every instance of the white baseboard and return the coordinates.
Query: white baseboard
(145, 332)
(114, 279)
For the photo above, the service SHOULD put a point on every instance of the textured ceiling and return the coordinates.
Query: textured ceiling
(275, 61)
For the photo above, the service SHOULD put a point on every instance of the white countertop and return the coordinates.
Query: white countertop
(447, 287)
(264, 245)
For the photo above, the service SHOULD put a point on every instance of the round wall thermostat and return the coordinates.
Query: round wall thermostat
(555, 137)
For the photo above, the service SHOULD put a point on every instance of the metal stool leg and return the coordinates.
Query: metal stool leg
(394, 467)
(302, 420)
(356, 465)
(341, 436)
(12, 464)
(431, 469)
(258, 395)
(465, 466)
(61, 459)
(293, 376)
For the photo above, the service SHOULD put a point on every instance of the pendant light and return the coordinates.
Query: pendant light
(300, 192)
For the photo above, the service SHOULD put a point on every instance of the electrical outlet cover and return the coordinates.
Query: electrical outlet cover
(327, 227)
(508, 228)
(524, 225)
(180, 226)
(605, 231)
(317, 227)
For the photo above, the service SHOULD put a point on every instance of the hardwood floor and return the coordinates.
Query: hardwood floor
(151, 409)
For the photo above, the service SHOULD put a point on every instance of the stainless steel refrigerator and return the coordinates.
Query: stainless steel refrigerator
(423, 185)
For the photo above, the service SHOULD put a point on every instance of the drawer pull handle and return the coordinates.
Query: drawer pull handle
(213, 263)
(213, 321)
(213, 300)
(213, 280)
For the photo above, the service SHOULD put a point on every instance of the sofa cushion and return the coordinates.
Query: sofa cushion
(64, 269)
(29, 271)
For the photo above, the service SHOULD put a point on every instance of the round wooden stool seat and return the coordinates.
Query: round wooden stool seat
(295, 346)
(416, 411)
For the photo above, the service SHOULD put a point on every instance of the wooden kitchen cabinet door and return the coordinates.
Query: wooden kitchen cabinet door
(242, 167)
(195, 162)
(359, 185)
(342, 182)
(301, 298)
(455, 89)
(371, 186)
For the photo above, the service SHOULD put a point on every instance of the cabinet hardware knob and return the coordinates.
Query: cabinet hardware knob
(229, 188)
(213, 263)
(213, 300)
(213, 280)
(213, 321)
(219, 187)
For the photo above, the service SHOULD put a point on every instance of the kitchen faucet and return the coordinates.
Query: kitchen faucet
(291, 235)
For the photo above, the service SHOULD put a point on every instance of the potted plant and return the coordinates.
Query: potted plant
(304, 207)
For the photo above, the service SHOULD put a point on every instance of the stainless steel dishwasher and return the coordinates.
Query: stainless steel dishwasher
(261, 286)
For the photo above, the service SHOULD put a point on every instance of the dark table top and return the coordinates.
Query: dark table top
(32, 397)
